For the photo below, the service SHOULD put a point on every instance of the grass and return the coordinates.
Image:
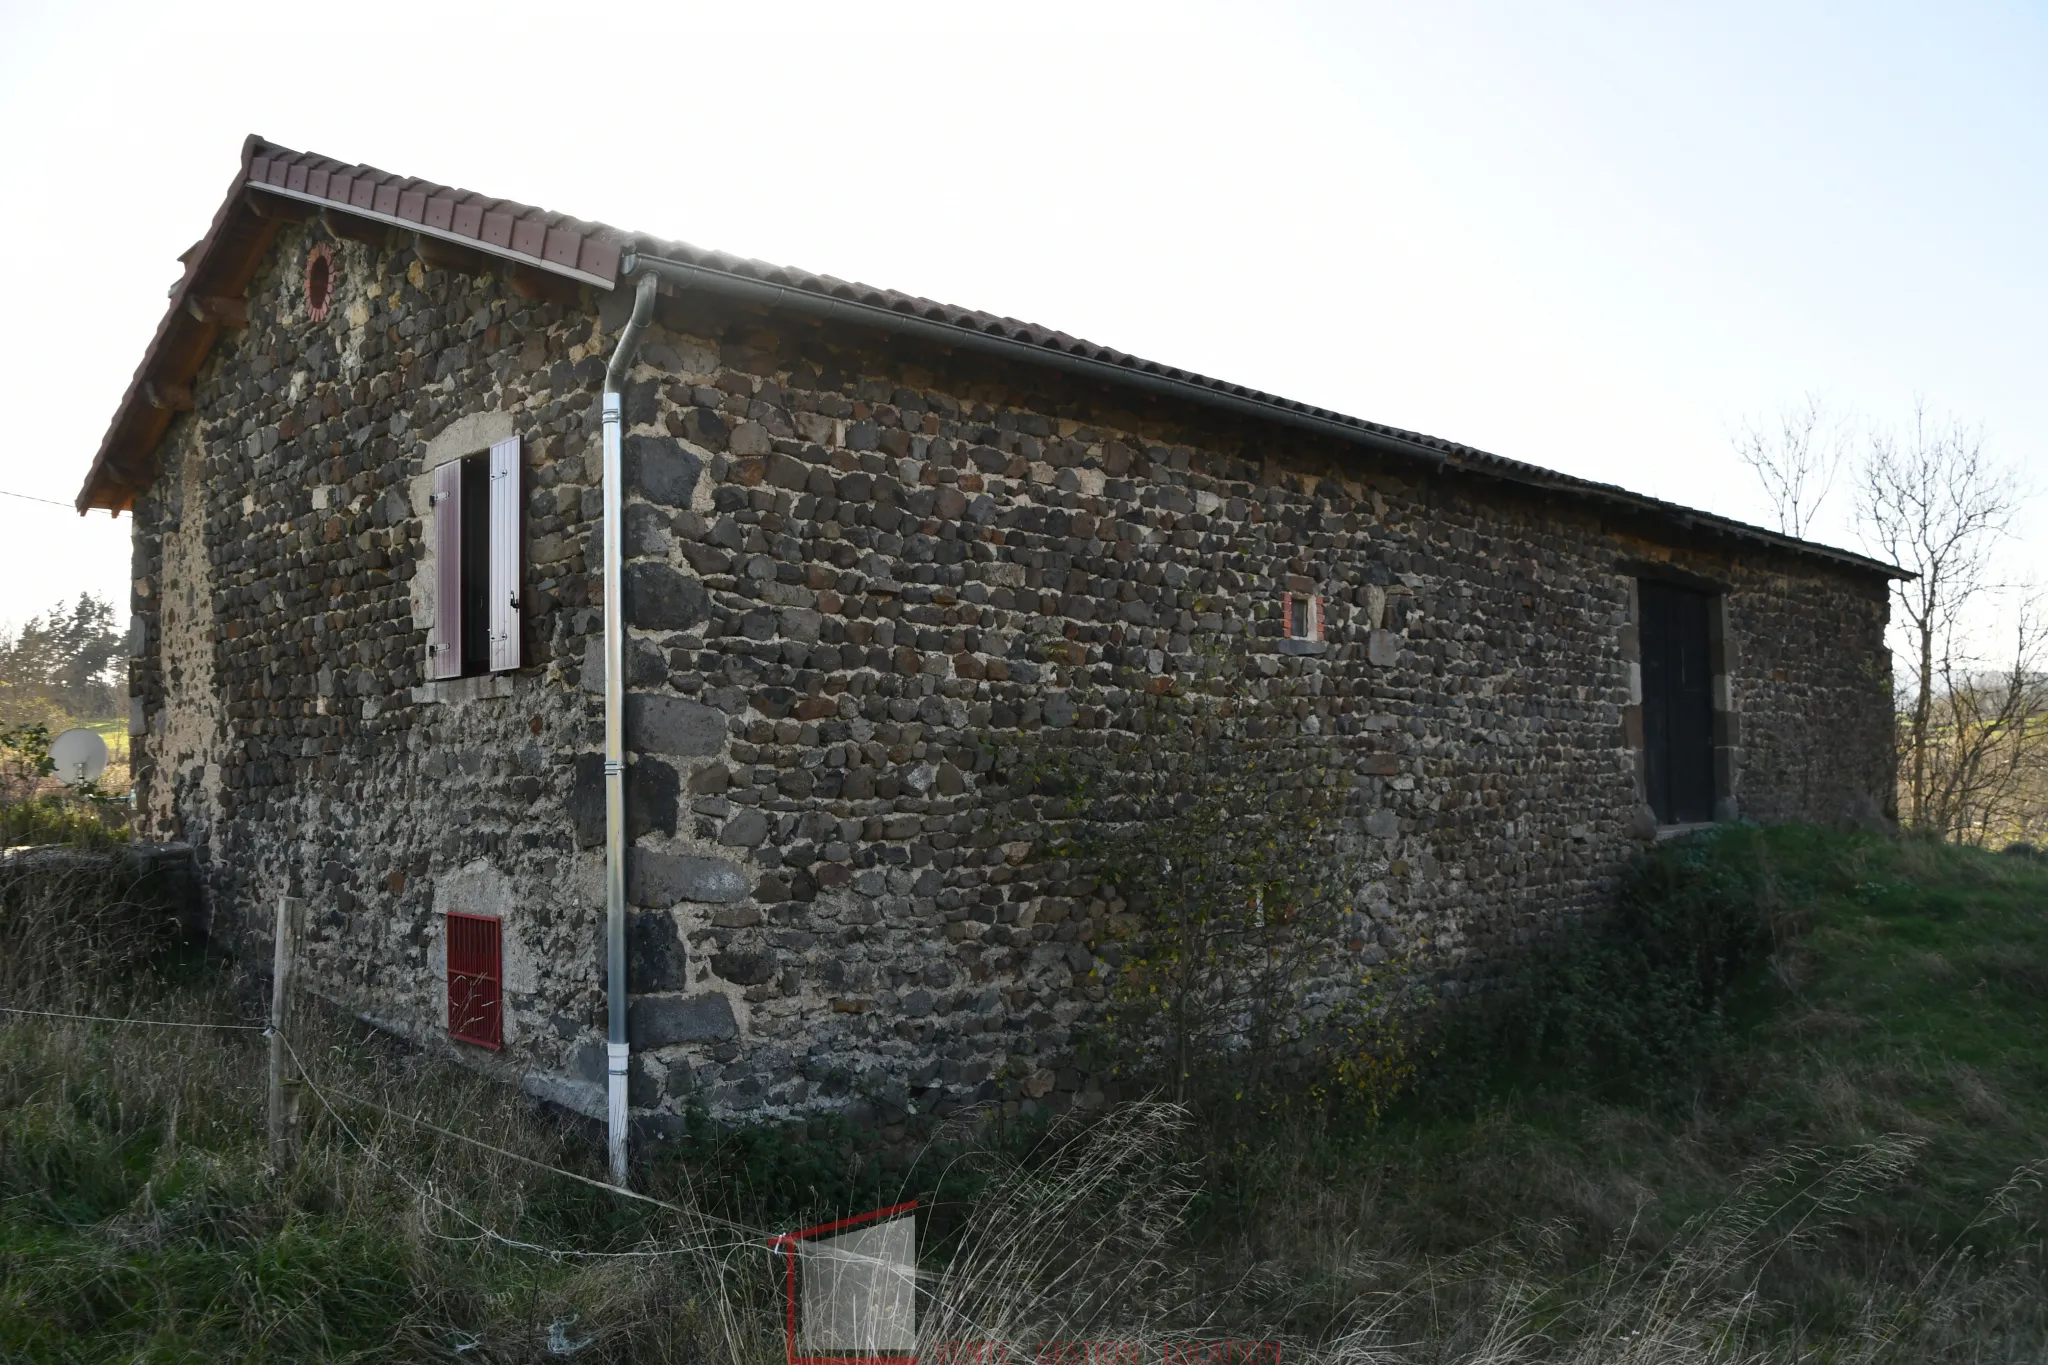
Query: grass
(139, 1218)
(1898, 1023)
(38, 809)
(1843, 1163)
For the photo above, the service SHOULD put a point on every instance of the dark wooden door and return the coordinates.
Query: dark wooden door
(1678, 703)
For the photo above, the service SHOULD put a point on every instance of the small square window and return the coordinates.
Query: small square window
(1301, 617)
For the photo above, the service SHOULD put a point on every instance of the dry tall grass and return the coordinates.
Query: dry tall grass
(389, 1241)
(139, 1220)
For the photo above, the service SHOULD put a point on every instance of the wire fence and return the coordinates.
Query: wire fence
(986, 1294)
(327, 1094)
(121, 1019)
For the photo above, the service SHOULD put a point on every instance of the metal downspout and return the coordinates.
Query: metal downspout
(617, 1048)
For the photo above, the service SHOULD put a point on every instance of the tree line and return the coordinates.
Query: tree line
(61, 666)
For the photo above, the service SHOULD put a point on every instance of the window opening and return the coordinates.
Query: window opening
(476, 565)
(319, 281)
(1678, 702)
(1301, 618)
(476, 626)
(476, 1011)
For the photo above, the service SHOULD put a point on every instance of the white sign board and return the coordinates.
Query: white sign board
(860, 1291)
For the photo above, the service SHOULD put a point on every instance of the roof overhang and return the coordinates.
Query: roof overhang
(272, 187)
(275, 185)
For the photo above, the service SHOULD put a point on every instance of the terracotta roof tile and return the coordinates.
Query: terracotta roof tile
(530, 233)
(496, 227)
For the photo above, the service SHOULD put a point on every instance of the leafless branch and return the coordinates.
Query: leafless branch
(1796, 457)
(1987, 765)
(1931, 500)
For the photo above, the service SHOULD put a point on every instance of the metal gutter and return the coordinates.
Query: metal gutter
(1264, 408)
(441, 234)
(688, 276)
(618, 1048)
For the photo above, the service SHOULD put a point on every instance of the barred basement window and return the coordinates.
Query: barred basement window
(476, 1011)
(1301, 617)
(476, 564)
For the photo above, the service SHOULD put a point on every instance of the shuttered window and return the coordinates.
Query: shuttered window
(444, 641)
(476, 564)
(504, 556)
(476, 1011)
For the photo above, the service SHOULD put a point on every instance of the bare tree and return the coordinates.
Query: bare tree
(1796, 457)
(1987, 760)
(1932, 501)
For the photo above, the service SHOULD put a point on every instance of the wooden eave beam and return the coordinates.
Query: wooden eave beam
(344, 224)
(542, 285)
(444, 255)
(277, 208)
(166, 396)
(219, 309)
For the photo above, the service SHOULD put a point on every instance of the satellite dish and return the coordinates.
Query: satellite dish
(80, 756)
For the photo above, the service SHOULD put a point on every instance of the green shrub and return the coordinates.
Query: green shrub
(29, 816)
(56, 820)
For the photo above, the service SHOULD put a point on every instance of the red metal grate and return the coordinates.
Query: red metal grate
(476, 1012)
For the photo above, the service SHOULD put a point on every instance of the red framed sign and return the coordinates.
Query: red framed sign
(853, 1300)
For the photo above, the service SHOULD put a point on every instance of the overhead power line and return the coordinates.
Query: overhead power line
(30, 497)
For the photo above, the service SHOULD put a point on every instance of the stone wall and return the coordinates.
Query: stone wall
(859, 573)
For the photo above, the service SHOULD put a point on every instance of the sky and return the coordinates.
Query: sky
(1591, 236)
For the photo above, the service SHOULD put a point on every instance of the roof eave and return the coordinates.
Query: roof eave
(299, 184)
(1127, 371)
(115, 475)
(223, 262)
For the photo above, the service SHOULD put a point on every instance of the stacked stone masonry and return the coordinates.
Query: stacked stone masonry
(856, 570)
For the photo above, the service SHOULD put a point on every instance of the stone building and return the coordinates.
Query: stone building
(866, 540)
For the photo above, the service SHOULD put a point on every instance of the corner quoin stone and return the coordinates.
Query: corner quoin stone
(654, 878)
(659, 1020)
(660, 470)
(660, 724)
(659, 598)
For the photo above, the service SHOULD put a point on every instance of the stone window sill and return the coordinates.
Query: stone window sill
(481, 687)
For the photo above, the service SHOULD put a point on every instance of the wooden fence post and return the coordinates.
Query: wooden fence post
(284, 1088)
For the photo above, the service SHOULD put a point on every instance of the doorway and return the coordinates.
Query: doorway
(1678, 702)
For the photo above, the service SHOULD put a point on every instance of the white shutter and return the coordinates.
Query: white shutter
(444, 638)
(505, 555)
